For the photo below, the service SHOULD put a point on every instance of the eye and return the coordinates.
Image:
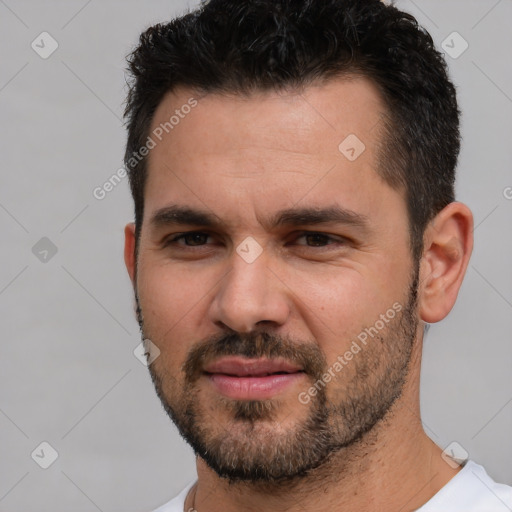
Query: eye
(191, 239)
(307, 239)
(314, 239)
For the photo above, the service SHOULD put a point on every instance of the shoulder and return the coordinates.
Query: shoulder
(471, 490)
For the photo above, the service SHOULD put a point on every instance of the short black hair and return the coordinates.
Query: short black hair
(243, 46)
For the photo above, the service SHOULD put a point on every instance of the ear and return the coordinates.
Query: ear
(448, 243)
(129, 250)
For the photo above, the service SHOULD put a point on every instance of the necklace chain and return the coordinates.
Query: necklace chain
(193, 508)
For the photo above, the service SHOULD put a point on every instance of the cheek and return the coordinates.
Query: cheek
(169, 302)
(338, 305)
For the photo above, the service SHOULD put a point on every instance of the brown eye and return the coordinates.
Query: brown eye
(195, 238)
(317, 239)
(192, 239)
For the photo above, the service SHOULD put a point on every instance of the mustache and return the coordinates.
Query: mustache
(254, 345)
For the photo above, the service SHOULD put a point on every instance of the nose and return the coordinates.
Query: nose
(250, 294)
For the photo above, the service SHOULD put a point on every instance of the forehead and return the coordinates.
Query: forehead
(269, 149)
(349, 104)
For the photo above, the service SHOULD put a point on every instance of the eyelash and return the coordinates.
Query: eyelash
(175, 239)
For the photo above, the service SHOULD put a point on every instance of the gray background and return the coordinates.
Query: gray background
(68, 373)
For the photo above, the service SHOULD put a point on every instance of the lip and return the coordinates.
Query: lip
(251, 379)
(243, 367)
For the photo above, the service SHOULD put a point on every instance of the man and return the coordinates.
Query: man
(292, 166)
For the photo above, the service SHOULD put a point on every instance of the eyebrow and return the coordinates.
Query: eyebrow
(176, 215)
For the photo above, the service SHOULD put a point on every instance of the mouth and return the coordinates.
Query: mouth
(251, 379)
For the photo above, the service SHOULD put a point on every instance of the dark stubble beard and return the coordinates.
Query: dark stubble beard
(251, 447)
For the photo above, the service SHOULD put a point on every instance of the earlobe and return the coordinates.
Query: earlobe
(129, 250)
(448, 245)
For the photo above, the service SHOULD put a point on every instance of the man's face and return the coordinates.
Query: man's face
(281, 348)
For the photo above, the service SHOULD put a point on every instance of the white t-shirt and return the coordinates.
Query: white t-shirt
(470, 490)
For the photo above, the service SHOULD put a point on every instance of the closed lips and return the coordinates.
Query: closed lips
(242, 367)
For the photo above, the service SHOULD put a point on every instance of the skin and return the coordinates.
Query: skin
(243, 159)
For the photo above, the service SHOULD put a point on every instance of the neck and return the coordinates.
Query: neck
(394, 467)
